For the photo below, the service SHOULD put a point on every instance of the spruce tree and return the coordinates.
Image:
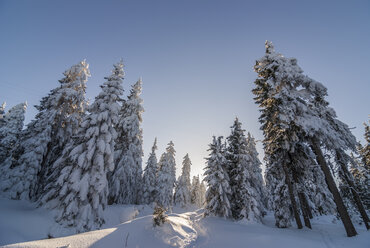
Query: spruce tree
(150, 191)
(276, 97)
(45, 137)
(194, 191)
(126, 179)
(215, 175)
(202, 194)
(245, 202)
(365, 150)
(295, 113)
(80, 192)
(166, 177)
(10, 132)
(182, 191)
(256, 175)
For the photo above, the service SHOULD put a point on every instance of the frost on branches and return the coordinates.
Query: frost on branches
(150, 177)
(183, 186)
(45, 137)
(167, 177)
(219, 192)
(126, 180)
(80, 193)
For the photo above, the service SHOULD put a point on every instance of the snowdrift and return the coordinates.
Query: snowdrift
(132, 226)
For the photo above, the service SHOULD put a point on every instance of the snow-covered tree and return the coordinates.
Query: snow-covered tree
(277, 99)
(361, 170)
(80, 192)
(295, 113)
(215, 175)
(197, 192)
(45, 137)
(256, 175)
(194, 191)
(361, 177)
(150, 177)
(365, 150)
(245, 201)
(126, 180)
(182, 191)
(166, 177)
(10, 134)
(202, 194)
(278, 192)
(11, 130)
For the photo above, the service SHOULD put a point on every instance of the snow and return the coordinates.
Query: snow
(132, 226)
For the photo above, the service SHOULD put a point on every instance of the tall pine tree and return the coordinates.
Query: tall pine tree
(166, 177)
(219, 192)
(245, 202)
(183, 186)
(126, 179)
(150, 191)
(45, 137)
(80, 193)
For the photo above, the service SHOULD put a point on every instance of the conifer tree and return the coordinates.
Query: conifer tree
(256, 175)
(361, 177)
(215, 175)
(365, 151)
(202, 194)
(245, 203)
(360, 170)
(182, 191)
(273, 91)
(167, 177)
(10, 134)
(126, 179)
(45, 137)
(194, 191)
(294, 113)
(80, 192)
(150, 177)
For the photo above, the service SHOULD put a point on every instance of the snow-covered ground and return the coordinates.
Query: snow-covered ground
(131, 226)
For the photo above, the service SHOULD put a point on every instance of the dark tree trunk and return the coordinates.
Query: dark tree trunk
(308, 208)
(301, 196)
(305, 210)
(351, 185)
(348, 225)
(292, 198)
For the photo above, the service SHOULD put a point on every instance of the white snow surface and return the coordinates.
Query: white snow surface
(131, 226)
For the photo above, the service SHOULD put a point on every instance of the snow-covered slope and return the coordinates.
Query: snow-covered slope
(20, 221)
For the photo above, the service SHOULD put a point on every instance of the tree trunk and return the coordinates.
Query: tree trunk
(308, 208)
(348, 225)
(305, 211)
(356, 197)
(292, 198)
(301, 197)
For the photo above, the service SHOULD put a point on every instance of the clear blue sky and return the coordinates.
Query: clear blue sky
(196, 58)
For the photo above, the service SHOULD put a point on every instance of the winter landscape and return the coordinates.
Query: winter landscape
(184, 124)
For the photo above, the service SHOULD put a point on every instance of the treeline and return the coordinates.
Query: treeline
(76, 158)
(308, 153)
